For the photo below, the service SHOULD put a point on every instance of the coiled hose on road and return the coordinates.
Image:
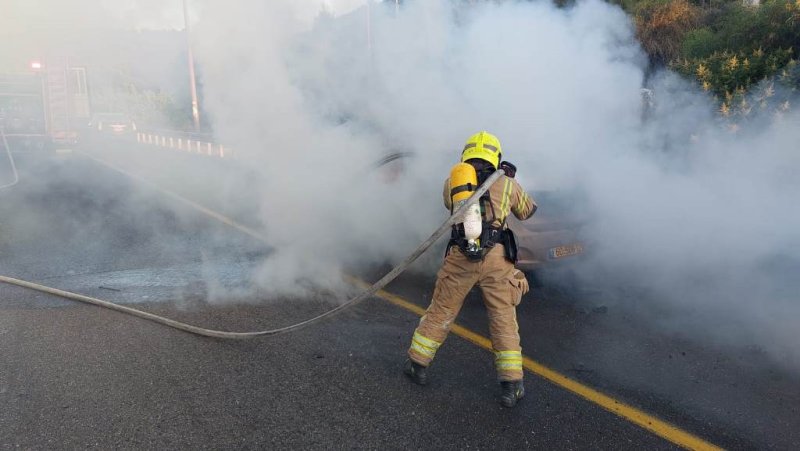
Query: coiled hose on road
(385, 280)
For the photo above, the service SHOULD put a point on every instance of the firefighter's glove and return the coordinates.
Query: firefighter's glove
(519, 286)
(509, 169)
(521, 281)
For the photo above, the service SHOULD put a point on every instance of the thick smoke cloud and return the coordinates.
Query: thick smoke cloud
(698, 216)
(311, 104)
(59, 16)
(698, 220)
(104, 36)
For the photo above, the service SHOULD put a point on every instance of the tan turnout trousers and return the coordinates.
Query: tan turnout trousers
(502, 286)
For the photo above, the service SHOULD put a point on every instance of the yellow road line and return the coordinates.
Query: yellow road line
(646, 421)
(630, 413)
(206, 211)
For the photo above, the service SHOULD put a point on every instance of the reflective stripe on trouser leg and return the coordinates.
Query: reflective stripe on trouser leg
(422, 349)
(453, 282)
(508, 364)
(501, 294)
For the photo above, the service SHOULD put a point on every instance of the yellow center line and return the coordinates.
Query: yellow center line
(628, 412)
(646, 421)
(206, 211)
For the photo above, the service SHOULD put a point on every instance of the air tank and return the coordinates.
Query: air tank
(464, 182)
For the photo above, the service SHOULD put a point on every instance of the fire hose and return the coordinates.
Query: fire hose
(385, 280)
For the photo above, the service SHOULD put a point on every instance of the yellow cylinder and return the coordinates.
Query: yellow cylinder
(463, 182)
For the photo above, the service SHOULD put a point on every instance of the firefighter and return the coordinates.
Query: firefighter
(490, 266)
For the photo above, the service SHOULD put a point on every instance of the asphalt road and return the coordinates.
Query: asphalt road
(76, 376)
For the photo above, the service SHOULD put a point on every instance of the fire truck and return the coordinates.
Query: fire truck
(44, 106)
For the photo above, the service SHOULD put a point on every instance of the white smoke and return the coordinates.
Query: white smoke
(312, 105)
(55, 16)
(310, 93)
(677, 203)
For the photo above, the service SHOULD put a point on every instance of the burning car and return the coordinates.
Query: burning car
(552, 237)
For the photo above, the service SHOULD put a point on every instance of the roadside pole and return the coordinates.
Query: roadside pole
(192, 81)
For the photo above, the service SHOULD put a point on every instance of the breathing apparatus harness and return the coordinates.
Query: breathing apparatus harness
(476, 250)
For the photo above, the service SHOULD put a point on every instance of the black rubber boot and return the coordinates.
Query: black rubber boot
(416, 372)
(512, 392)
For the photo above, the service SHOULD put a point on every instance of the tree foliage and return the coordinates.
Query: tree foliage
(725, 72)
(662, 25)
(727, 46)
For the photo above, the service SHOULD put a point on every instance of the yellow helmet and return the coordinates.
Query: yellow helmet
(484, 146)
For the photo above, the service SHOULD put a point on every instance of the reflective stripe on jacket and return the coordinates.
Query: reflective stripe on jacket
(506, 196)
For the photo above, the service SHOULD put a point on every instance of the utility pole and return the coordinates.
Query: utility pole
(192, 81)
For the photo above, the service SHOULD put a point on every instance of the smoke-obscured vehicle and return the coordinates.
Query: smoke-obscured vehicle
(112, 124)
(552, 237)
(44, 106)
(22, 116)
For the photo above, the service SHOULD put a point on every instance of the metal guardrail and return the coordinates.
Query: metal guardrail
(208, 137)
(185, 142)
